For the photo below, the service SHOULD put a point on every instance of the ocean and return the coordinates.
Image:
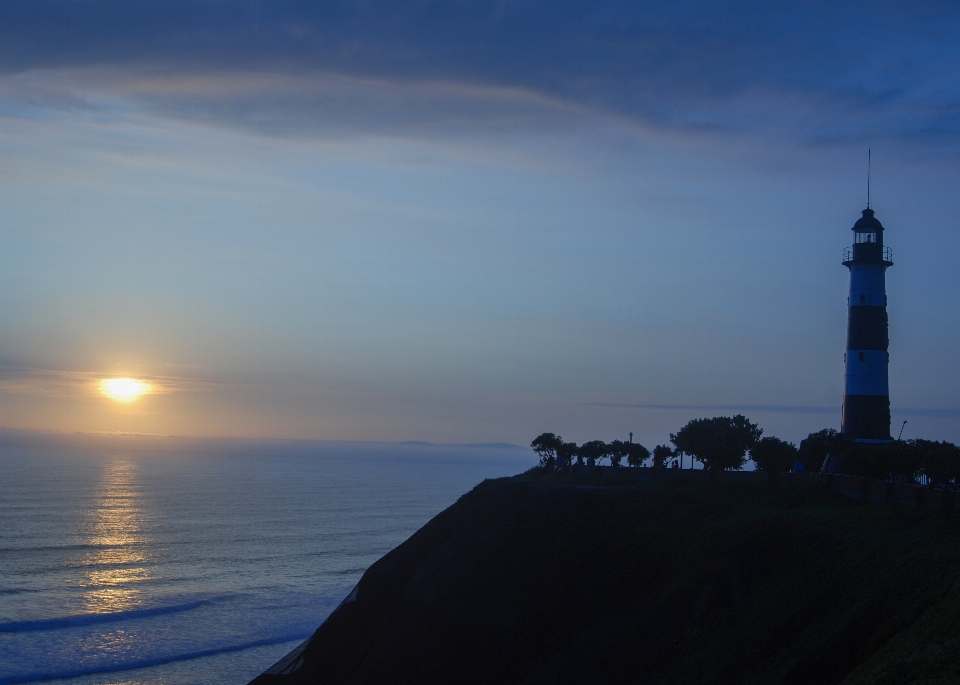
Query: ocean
(150, 567)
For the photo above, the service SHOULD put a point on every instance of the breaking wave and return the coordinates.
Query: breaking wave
(143, 663)
(89, 619)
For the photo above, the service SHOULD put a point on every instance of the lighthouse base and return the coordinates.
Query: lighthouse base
(866, 417)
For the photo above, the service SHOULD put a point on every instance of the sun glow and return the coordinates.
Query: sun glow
(123, 389)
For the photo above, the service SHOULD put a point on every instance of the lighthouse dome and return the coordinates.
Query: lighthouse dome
(868, 223)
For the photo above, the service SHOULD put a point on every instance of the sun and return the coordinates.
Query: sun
(123, 389)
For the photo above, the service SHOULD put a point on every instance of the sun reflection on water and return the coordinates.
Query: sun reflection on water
(115, 566)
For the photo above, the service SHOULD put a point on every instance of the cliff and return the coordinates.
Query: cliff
(542, 579)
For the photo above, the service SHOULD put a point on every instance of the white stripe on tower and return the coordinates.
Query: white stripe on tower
(866, 373)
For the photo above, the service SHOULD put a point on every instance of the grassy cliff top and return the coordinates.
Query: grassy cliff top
(546, 579)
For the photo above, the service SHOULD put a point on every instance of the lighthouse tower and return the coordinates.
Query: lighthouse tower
(866, 395)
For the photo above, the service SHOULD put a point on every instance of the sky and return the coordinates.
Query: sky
(470, 221)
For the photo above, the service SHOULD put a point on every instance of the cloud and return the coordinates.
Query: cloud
(811, 72)
(291, 104)
(776, 408)
(781, 409)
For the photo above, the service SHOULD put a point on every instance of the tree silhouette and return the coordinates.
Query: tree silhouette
(940, 462)
(875, 460)
(661, 455)
(718, 443)
(546, 445)
(566, 452)
(636, 453)
(773, 454)
(616, 450)
(816, 446)
(592, 451)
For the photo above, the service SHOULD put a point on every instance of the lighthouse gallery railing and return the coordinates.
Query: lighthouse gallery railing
(848, 254)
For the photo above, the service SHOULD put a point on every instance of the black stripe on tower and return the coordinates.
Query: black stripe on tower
(867, 328)
(867, 416)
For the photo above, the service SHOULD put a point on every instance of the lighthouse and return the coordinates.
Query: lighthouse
(866, 394)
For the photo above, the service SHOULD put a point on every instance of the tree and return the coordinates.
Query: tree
(902, 460)
(566, 452)
(592, 451)
(816, 446)
(661, 455)
(940, 462)
(546, 445)
(773, 454)
(718, 443)
(898, 459)
(617, 450)
(636, 453)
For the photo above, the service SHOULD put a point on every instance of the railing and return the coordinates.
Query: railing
(848, 254)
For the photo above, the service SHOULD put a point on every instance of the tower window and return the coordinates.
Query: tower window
(863, 356)
(863, 298)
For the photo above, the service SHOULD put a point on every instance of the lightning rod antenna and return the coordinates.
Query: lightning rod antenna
(868, 177)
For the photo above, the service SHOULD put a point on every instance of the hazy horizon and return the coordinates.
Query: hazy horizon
(133, 442)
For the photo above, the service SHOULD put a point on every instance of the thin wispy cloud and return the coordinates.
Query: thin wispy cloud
(788, 409)
(779, 408)
(290, 104)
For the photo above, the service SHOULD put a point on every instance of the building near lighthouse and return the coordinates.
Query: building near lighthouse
(866, 394)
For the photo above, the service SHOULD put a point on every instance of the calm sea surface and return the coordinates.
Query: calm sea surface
(153, 568)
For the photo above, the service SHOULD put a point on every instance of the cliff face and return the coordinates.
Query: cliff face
(542, 580)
